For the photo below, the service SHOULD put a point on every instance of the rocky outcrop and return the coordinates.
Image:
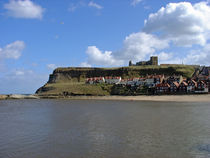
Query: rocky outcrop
(3, 97)
(43, 89)
(18, 96)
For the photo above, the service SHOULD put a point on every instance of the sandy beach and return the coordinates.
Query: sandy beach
(168, 98)
(172, 98)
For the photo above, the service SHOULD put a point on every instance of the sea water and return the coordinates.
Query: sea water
(103, 129)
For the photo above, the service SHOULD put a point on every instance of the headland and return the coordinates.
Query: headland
(127, 81)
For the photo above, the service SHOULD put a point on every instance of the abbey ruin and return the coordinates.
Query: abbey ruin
(153, 61)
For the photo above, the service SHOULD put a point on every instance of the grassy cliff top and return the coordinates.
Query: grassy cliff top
(176, 66)
(132, 71)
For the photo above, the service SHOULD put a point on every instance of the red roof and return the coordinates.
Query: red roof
(193, 81)
(184, 83)
(176, 84)
(110, 77)
(163, 85)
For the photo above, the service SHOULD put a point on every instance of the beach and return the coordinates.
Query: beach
(167, 98)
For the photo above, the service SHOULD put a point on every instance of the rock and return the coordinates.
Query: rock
(20, 96)
(3, 97)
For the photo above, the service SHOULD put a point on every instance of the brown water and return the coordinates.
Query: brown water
(99, 129)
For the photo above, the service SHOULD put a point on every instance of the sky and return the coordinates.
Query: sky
(36, 36)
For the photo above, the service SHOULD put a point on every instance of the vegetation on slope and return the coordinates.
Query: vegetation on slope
(75, 88)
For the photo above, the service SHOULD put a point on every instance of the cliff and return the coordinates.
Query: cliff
(71, 80)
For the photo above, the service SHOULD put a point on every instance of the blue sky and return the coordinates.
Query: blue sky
(39, 35)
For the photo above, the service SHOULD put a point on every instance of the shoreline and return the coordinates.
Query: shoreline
(162, 98)
(168, 98)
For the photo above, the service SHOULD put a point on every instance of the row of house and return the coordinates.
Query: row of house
(190, 86)
(107, 79)
(149, 80)
(159, 83)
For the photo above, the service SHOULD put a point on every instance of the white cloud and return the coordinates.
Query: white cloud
(85, 64)
(135, 2)
(12, 51)
(95, 5)
(24, 9)
(201, 56)
(195, 57)
(183, 23)
(97, 57)
(74, 6)
(19, 72)
(163, 56)
(137, 46)
(51, 66)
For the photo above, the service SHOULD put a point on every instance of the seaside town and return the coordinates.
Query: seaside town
(160, 84)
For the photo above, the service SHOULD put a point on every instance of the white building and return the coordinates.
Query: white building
(131, 82)
(112, 80)
(141, 81)
(123, 82)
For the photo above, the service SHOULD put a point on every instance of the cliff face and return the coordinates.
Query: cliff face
(72, 79)
(80, 74)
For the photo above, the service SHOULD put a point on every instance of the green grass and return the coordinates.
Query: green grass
(77, 88)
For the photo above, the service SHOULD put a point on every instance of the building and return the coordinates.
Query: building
(152, 80)
(183, 87)
(208, 84)
(140, 81)
(112, 80)
(202, 74)
(123, 82)
(174, 78)
(201, 87)
(162, 88)
(192, 85)
(153, 61)
(174, 87)
(131, 82)
(95, 80)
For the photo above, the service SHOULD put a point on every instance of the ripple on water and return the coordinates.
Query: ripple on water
(66, 128)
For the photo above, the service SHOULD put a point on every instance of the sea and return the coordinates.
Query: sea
(103, 129)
